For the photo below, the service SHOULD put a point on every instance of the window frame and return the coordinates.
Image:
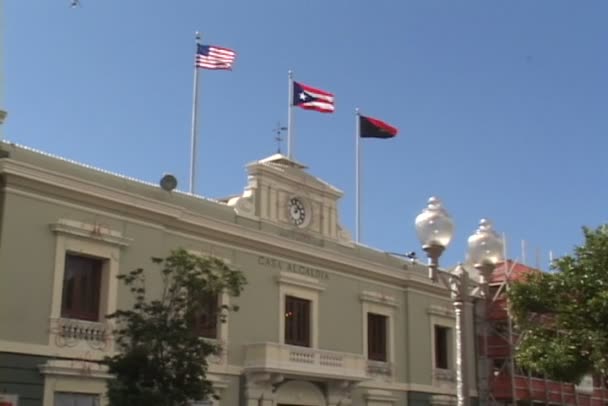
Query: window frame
(70, 376)
(303, 287)
(443, 315)
(382, 354)
(92, 240)
(383, 305)
(300, 332)
(447, 335)
(96, 397)
(223, 299)
(78, 311)
(212, 302)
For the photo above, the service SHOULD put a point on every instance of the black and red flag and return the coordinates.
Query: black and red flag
(374, 128)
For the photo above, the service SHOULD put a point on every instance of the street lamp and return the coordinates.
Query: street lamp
(435, 229)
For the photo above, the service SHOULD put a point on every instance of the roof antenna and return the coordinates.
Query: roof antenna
(278, 138)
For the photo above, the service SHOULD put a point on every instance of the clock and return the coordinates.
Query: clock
(297, 211)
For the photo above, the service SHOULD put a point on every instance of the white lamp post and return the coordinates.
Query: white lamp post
(435, 229)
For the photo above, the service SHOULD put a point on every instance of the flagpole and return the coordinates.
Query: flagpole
(194, 135)
(357, 176)
(289, 116)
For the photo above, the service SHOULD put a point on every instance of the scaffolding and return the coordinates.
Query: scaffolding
(501, 381)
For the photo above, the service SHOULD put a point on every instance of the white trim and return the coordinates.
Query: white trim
(97, 232)
(443, 317)
(299, 392)
(378, 397)
(74, 368)
(440, 311)
(223, 300)
(420, 287)
(378, 298)
(100, 242)
(406, 387)
(300, 281)
(302, 287)
(378, 303)
(74, 377)
(180, 217)
(219, 385)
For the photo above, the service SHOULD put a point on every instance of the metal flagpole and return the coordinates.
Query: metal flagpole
(289, 116)
(357, 176)
(194, 135)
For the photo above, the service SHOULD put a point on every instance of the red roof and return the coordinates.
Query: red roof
(518, 271)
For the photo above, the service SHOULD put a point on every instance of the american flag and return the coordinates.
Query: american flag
(212, 57)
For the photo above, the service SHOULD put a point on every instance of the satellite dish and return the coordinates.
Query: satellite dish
(168, 182)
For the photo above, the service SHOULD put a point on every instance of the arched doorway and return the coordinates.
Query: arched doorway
(299, 393)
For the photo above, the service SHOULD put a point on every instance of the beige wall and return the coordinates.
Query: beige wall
(420, 345)
(27, 254)
(26, 269)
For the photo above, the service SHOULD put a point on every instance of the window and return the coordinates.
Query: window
(297, 321)
(81, 287)
(493, 290)
(442, 340)
(205, 324)
(75, 399)
(376, 337)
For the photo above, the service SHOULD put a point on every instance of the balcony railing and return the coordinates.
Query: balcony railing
(289, 359)
(74, 333)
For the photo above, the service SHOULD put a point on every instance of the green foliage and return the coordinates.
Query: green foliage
(563, 316)
(162, 360)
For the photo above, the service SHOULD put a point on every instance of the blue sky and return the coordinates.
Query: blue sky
(501, 105)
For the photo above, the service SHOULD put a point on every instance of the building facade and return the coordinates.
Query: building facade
(323, 321)
(511, 384)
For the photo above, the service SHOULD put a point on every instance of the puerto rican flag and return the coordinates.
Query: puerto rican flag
(310, 98)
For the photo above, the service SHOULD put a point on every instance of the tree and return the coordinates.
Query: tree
(162, 361)
(563, 316)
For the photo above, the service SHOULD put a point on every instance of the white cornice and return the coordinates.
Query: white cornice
(74, 368)
(90, 231)
(288, 174)
(301, 281)
(378, 298)
(440, 311)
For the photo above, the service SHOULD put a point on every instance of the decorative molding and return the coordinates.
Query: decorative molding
(382, 396)
(440, 311)
(97, 232)
(75, 368)
(77, 353)
(443, 400)
(300, 281)
(196, 225)
(445, 375)
(273, 170)
(71, 332)
(304, 361)
(383, 371)
(378, 298)
(244, 205)
(414, 387)
(344, 237)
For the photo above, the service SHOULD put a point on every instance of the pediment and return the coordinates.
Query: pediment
(281, 191)
(279, 168)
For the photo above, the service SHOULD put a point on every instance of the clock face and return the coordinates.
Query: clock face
(297, 211)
